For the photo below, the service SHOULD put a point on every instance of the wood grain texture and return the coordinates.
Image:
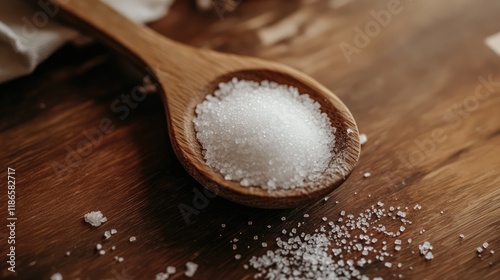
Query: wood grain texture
(432, 140)
(186, 75)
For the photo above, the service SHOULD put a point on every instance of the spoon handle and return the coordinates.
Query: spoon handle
(136, 41)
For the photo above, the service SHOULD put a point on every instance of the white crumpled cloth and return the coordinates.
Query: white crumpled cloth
(28, 34)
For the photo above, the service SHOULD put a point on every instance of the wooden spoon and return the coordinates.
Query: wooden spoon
(186, 75)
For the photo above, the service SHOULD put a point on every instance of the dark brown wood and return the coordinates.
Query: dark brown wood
(412, 89)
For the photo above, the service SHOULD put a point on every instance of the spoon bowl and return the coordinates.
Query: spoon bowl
(186, 75)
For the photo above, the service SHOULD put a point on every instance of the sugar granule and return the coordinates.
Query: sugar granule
(265, 134)
(95, 218)
(56, 276)
(425, 250)
(363, 138)
(107, 234)
(132, 239)
(170, 269)
(161, 276)
(191, 269)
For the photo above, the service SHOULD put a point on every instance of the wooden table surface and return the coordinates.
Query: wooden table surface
(424, 87)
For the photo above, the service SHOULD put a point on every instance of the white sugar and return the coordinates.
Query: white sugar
(191, 268)
(171, 269)
(107, 234)
(425, 250)
(363, 138)
(265, 134)
(95, 218)
(56, 276)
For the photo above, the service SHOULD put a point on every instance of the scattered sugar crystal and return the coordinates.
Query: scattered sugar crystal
(171, 269)
(237, 256)
(191, 269)
(328, 253)
(425, 250)
(95, 218)
(56, 276)
(68, 253)
(264, 134)
(264, 244)
(132, 239)
(485, 245)
(113, 231)
(492, 252)
(283, 218)
(250, 223)
(102, 252)
(306, 215)
(113, 248)
(349, 131)
(362, 138)
(161, 276)
(98, 246)
(223, 225)
(388, 264)
(479, 250)
(107, 234)
(367, 174)
(462, 236)
(120, 259)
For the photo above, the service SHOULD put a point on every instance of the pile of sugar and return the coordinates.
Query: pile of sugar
(95, 218)
(264, 134)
